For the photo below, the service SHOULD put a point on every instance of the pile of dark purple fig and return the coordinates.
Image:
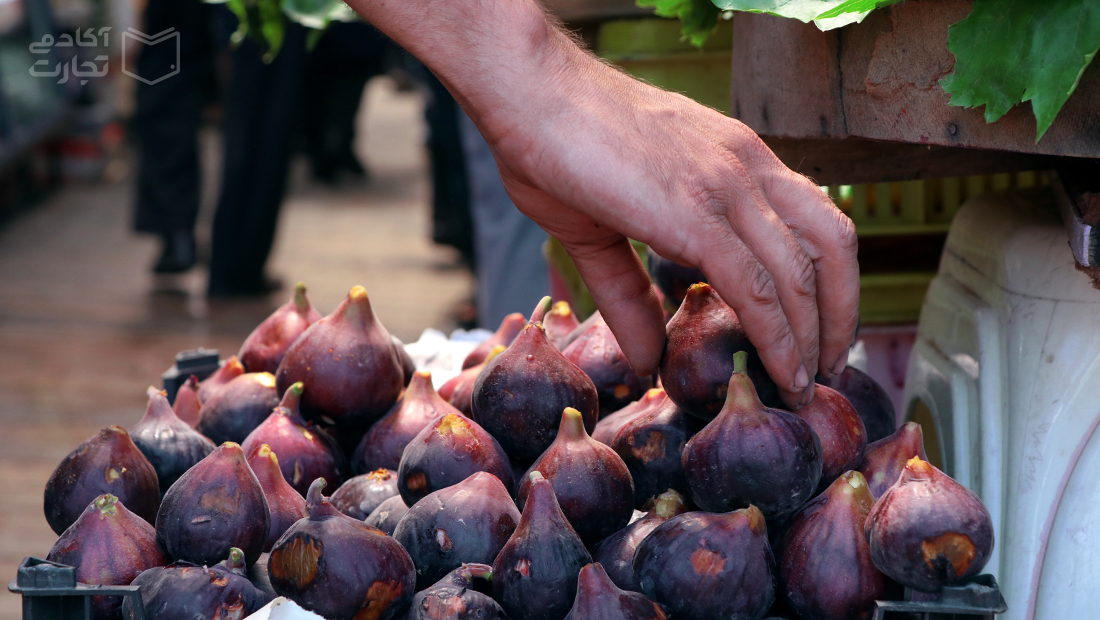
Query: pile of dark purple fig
(547, 481)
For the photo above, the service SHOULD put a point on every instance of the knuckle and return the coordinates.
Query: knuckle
(803, 276)
(761, 285)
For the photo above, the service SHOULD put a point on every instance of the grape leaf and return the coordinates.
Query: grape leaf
(1011, 51)
(697, 17)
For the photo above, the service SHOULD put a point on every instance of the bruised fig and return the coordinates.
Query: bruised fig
(702, 565)
(616, 552)
(703, 335)
(598, 598)
(447, 452)
(467, 522)
(505, 334)
(870, 400)
(825, 568)
(212, 385)
(383, 444)
(185, 591)
(651, 445)
(339, 567)
(884, 459)
(284, 503)
(359, 496)
(187, 406)
(459, 390)
(408, 366)
(110, 463)
(171, 446)
(591, 483)
(348, 363)
(267, 344)
(599, 355)
(388, 514)
(608, 426)
(454, 597)
(559, 322)
(751, 454)
(928, 531)
(216, 505)
(305, 453)
(238, 407)
(840, 430)
(108, 545)
(535, 574)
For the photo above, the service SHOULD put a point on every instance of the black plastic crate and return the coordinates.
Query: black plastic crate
(50, 592)
(978, 599)
(199, 362)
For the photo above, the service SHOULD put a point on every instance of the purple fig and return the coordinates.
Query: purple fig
(265, 347)
(928, 531)
(238, 407)
(751, 454)
(609, 425)
(212, 385)
(187, 405)
(171, 446)
(840, 430)
(884, 459)
(339, 567)
(702, 338)
(598, 598)
(217, 505)
(257, 574)
(467, 522)
(459, 390)
(651, 445)
(535, 574)
(284, 503)
(110, 463)
(616, 552)
(505, 334)
(185, 591)
(108, 545)
(387, 515)
(347, 362)
(870, 400)
(591, 483)
(825, 568)
(672, 279)
(383, 444)
(408, 366)
(359, 496)
(580, 329)
(702, 565)
(455, 597)
(559, 322)
(599, 355)
(447, 452)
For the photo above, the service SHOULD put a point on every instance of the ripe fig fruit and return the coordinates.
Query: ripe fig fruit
(459, 390)
(580, 329)
(447, 452)
(928, 531)
(599, 598)
(359, 496)
(456, 597)
(110, 463)
(703, 565)
(651, 445)
(616, 552)
(284, 503)
(703, 335)
(504, 335)
(185, 591)
(672, 279)
(535, 574)
(107, 545)
(884, 460)
(257, 575)
(387, 515)
(228, 371)
(825, 568)
(408, 366)
(339, 567)
(598, 354)
(840, 430)
(238, 407)
(383, 444)
(187, 406)
(870, 400)
(216, 505)
(171, 446)
(559, 322)
(305, 453)
(609, 425)
(591, 483)
(348, 363)
(467, 522)
(751, 454)
(265, 347)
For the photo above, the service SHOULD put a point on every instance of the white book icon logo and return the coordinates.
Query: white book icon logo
(134, 37)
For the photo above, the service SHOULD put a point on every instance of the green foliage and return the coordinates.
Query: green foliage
(318, 13)
(698, 17)
(827, 14)
(264, 21)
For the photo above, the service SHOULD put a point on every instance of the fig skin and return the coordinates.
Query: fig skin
(870, 400)
(535, 574)
(591, 483)
(108, 545)
(703, 565)
(447, 452)
(267, 344)
(580, 329)
(839, 429)
(559, 322)
(616, 552)
(387, 515)
(185, 591)
(419, 406)
(651, 445)
(305, 453)
(671, 278)
(284, 504)
(928, 531)
(751, 454)
(217, 505)
(884, 460)
(171, 446)
(187, 406)
(459, 390)
(598, 598)
(238, 407)
(609, 425)
(467, 522)
(408, 366)
(212, 385)
(598, 354)
(339, 567)
(703, 335)
(454, 597)
(825, 567)
(359, 496)
(108, 462)
(505, 334)
(348, 363)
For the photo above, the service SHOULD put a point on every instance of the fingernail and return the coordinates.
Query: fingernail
(807, 396)
(838, 367)
(801, 378)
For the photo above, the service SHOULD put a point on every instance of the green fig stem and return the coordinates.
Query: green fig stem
(235, 561)
(540, 310)
(301, 302)
(106, 504)
(292, 398)
(478, 571)
(572, 425)
(742, 393)
(669, 504)
(740, 362)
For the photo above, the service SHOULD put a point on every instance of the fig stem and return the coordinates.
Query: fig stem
(301, 302)
(314, 496)
(540, 310)
(572, 424)
(740, 362)
(669, 504)
(535, 476)
(497, 350)
(475, 571)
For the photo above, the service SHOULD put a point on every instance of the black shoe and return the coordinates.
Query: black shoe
(178, 254)
(262, 287)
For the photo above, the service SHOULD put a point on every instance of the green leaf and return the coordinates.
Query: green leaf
(826, 14)
(318, 13)
(1011, 51)
(698, 17)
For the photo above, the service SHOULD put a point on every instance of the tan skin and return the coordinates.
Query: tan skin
(594, 157)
